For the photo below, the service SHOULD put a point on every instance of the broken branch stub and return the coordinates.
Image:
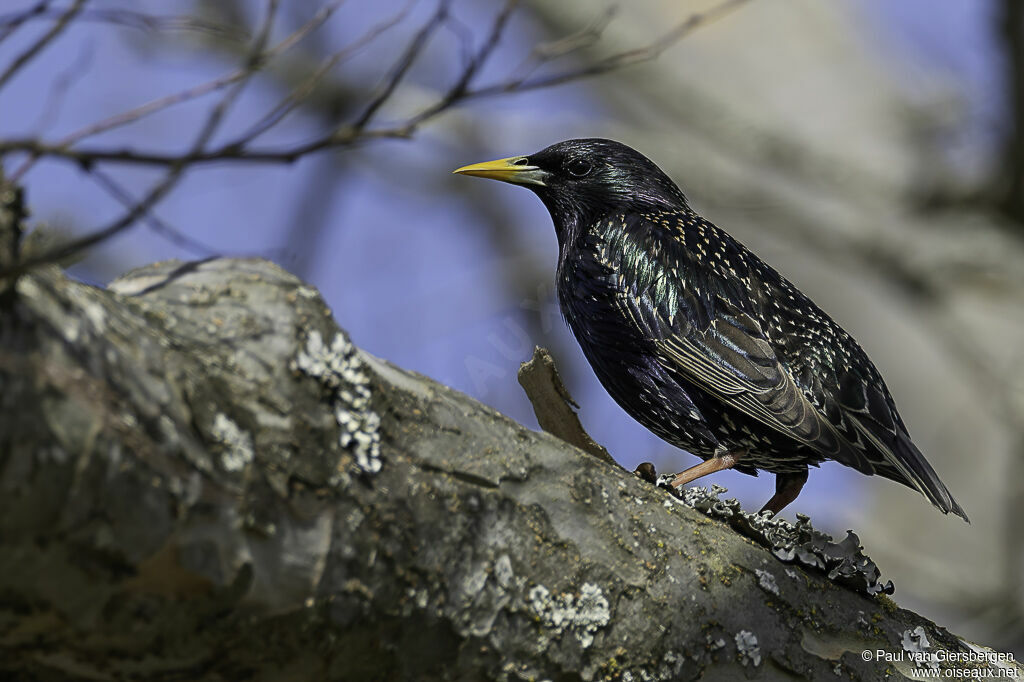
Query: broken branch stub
(554, 407)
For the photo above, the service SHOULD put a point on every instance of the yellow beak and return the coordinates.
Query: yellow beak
(515, 169)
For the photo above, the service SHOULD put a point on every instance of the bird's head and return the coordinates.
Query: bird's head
(582, 180)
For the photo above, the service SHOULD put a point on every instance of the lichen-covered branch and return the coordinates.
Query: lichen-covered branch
(204, 478)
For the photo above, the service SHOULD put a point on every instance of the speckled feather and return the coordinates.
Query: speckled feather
(704, 343)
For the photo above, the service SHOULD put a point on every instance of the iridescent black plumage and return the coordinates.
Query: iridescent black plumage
(699, 339)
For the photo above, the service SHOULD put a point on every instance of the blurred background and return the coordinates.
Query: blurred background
(872, 151)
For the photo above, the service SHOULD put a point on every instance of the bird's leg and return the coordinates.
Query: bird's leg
(787, 487)
(709, 466)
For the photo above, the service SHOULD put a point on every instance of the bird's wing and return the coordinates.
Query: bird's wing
(733, 360)
(684, 308)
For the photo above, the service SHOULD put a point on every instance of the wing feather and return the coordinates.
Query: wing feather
(733, 361)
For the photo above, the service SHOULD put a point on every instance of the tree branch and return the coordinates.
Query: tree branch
(206, 479)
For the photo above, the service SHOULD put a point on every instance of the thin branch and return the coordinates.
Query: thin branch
(9, 23)
(358, 133)
(463, 35)
(39, 45)
(458, 90)
(229, 152)
(572, 43)
(401, 67)
(61, 87)
(253, 61)
(615, 61)
(159, 226)
(300, 94)
(126, 18)
(133, 115)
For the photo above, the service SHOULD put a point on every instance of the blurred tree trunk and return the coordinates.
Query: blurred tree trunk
(1010, 186)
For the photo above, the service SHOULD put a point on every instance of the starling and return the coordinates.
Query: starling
(699, 339)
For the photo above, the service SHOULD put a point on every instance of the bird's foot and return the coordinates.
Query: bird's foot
(647, 472)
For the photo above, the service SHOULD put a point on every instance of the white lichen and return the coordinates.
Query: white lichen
(96, 315)
(339, 369)
(475, 581)
(238, 448)
(503, 571)
(767, 581)
(915, 643)
(746, 645)
(583, 614)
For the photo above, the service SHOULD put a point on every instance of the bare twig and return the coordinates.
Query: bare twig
(229, 152)
(572, 43)
(359, 131)
(459, 89)
(616, 61)
(138, 113)
(305, 89)
(62, 85)
(39, 45)
(122, 17)
(155, 223)
(401, 67)
(9, 23)
(160, 190)
(463, 35)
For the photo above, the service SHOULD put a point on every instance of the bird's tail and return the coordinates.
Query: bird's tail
(905, 464)
(915, 471)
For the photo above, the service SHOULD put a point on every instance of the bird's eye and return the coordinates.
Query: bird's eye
(578, 167)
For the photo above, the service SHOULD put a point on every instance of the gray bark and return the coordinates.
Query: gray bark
(203, 479)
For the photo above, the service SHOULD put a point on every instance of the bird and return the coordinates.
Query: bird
(700, 340)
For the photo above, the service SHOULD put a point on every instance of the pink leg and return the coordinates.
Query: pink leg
(710, 466)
